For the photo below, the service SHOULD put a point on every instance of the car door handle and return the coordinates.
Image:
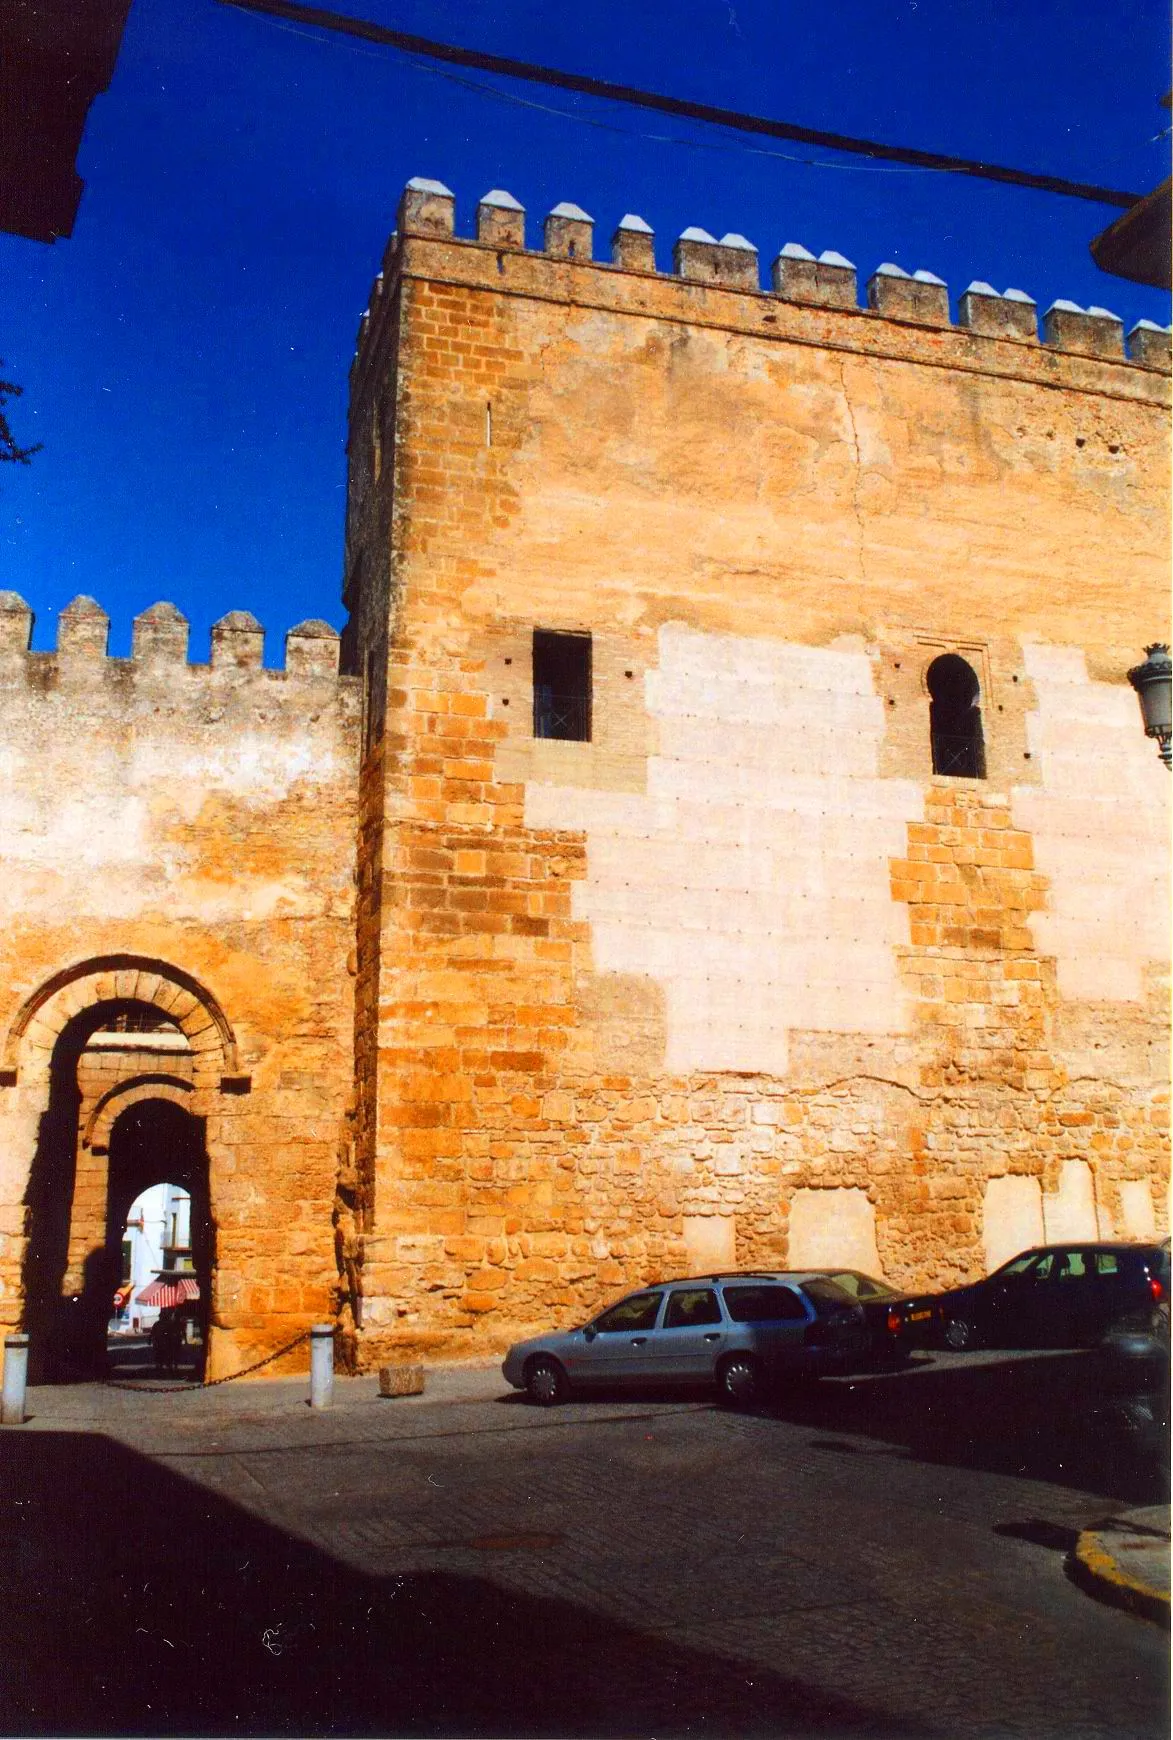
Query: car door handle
(638, 1340)
(715, 1337)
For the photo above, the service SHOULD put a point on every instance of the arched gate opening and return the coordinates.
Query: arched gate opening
(117, 1066)
(115, 1125)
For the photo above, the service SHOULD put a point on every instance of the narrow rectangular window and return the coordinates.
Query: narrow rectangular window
(562, 685)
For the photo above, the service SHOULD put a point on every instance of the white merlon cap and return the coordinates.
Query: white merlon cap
(497, 196)
(830, 258)
(888, 270)
(1017, 296)
(421, 184)
(1103, 313)
(732, 240)
(567, 210)
(1066, 307)
(794, 251)
(979, 287)
(693, 234)
(923, 277)
(1149, 326)
(629, 221)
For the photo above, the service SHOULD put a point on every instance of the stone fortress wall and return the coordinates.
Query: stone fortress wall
(177, 840)
(465, 1029)
(740, 980)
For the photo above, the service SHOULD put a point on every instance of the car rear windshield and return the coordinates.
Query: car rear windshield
(861, 1286)
(763, 1304)
(827, 1297)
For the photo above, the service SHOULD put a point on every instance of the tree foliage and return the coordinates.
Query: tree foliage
(10, 449)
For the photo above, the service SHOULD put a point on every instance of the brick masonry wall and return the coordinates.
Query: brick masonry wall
(741, 980)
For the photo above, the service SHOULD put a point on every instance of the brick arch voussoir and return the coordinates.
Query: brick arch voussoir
(44, 1016)
(124, 1094)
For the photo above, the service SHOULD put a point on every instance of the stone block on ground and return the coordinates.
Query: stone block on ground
(401, 1380)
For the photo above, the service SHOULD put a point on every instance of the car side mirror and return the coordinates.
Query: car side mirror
(589, 1331)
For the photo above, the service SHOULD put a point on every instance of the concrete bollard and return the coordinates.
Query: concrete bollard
(16, 1372)
(322, 1365)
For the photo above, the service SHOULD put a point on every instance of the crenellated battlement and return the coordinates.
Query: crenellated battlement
(159, 647)
(427, 212)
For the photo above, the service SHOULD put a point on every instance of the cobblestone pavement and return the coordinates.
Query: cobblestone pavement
(475, 1566)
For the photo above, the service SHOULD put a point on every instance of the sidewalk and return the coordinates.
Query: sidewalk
(1126, 1562)
(155, 1418)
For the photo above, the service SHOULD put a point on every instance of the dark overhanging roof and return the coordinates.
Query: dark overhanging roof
(1139, 245)
(56, 56)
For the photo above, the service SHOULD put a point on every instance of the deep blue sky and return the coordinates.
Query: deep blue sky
(184, 355)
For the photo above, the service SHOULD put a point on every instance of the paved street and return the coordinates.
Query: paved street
(878, 1558)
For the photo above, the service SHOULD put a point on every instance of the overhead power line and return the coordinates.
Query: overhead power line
(361, 28)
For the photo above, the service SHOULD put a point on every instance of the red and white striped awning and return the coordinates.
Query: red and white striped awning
(169, 1290)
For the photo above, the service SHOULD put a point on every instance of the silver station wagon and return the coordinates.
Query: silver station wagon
(740, 1332)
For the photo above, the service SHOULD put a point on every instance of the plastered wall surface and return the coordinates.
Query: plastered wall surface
(740, 979)
(1100, 832)
(177, 838)
(751, 882)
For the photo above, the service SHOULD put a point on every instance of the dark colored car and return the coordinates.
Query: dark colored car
(739, 1332)
(1056, 1296)
(896, 1322)
(1133, 1378)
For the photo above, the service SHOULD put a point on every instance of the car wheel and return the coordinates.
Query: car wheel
(545, 1383)
(739, 1381)
(960, 1335)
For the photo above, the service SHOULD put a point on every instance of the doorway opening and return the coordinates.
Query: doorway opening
(160, 1228)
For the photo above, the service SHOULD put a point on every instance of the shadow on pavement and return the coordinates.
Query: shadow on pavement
(140, 1603)
(1039, 1416)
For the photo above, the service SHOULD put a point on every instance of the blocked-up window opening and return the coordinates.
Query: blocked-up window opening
(955, 718)
(562, 685)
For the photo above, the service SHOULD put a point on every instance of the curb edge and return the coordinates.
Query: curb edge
(1095, 1569)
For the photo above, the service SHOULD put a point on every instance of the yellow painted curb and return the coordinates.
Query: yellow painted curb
(1097, 1570)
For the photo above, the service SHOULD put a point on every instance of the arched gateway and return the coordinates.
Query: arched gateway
(114, 1075)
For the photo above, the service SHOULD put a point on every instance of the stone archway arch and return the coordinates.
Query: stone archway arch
(123, 1095)
(56, 1194)
(43, 1017)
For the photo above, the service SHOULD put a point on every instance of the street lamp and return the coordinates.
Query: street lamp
(1153, 682)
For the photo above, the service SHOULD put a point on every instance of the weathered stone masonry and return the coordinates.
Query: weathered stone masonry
(740, 979)
(469, 1027)
(178, 841)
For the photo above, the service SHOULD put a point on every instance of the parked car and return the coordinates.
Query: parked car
(737, 1331)
(1056, 1296)
(897, 1322)
(1133, 1381)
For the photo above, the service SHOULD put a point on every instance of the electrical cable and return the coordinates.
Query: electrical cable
(321, 19)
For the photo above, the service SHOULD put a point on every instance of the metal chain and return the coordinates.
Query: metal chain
(178, 1388)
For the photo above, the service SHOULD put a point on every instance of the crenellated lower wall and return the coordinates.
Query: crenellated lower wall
(174, 838)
